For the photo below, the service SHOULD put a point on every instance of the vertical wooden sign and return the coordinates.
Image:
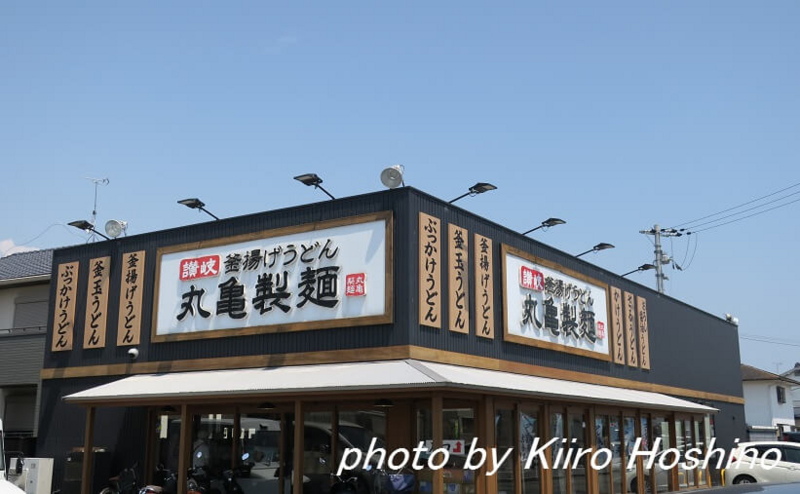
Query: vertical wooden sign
(64, 312)
(129, 323)
(632, 348)
(458, 286)
(617, 331)
(430, 271)
(484, 287)
(94, 331)
(644, 337)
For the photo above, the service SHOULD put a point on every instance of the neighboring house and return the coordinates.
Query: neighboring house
(768, 407)
(24, 295)
(794, 373)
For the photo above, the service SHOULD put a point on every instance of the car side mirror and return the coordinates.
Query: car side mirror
(20, 464)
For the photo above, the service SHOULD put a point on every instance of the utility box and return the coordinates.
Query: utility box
(36, 476)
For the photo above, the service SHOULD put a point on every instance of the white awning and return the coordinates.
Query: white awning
(366, 376)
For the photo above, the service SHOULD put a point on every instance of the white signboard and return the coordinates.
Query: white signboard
(545, 307)
(324, 277)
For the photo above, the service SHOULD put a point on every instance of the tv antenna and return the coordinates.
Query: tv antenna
(97, 182)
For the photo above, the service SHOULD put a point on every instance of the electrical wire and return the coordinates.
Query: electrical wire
(696, 240)
(769, 339)
(744, 217)
(39, 235)
(743, 211)
(740, 205)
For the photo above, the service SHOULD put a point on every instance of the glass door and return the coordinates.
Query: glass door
(528, 433)
(578, 470)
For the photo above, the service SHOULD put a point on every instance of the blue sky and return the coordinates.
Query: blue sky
(611, 115)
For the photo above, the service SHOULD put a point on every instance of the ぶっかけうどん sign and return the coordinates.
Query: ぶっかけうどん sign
(321, 275)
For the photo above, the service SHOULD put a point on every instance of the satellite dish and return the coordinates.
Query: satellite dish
(392, 177)
(115, 228)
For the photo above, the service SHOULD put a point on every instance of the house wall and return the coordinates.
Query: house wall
(761, 404)
(11, 295)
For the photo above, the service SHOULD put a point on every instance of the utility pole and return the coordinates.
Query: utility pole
(660, 258)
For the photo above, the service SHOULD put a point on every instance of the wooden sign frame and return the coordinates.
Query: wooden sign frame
(430, 271)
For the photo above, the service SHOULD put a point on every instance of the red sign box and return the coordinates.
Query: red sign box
(355, 285)
(531, 279)
(199, 267)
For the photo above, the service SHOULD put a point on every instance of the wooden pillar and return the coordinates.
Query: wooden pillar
(282, 464)
(297, 464)
(236, 434)
(592, 477)
(487, 484)
(149, 446)
(184, 448)
(436, 419)
(517, 453)
(88, 452)
(333, 458)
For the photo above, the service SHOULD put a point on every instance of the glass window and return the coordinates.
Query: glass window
(602, 440)
(629, 436)
(577, 433)
(166, 450)
(357, 430)
(212, 443)
(661, 431)
(559, 474)
(424, 428)
(504, 437)
(645, 435)
(262, 456)
(458, 430)
(617, 461)
(790, 454)
(528, 431)
(317, 457)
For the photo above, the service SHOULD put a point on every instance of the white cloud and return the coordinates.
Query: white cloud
(7, 247)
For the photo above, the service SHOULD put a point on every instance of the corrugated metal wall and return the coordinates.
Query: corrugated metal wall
(688, 348)
(683, 340)
(329, 339)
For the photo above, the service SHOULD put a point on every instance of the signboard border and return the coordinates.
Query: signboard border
(506, 249)
(386, 318)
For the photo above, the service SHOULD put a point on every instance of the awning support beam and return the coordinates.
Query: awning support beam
(88, 452)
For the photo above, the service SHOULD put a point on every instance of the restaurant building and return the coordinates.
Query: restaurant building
(271, 342)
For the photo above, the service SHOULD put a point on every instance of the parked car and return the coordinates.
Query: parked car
(791, 488)
(751, 469)
(793, 436)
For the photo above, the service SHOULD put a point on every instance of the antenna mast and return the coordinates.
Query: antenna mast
(97, 182)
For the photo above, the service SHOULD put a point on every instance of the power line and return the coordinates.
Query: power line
(740, 205)
(696, 240)
(768, 339)
(743, 217)
(743, 211)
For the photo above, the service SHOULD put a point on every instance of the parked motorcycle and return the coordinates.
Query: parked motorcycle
(124, 483)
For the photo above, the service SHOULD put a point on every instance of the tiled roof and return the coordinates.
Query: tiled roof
(26, 264)
(750, 373)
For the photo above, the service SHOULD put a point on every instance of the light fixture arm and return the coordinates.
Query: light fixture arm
(318, 186)
(584, 253)
(461, 197)
(534, 229)
(631, 272)
(201, 208)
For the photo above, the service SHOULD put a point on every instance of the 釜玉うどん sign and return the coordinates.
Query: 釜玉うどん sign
(552, 309)
(329, 274)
